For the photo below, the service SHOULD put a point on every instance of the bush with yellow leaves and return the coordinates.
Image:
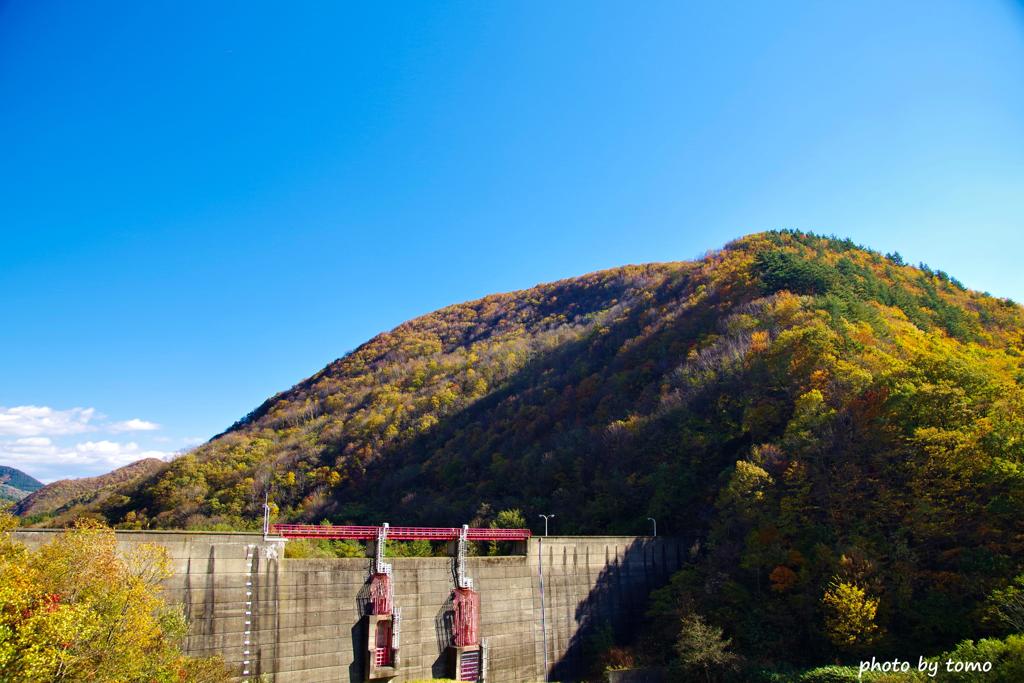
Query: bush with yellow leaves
(76, 609)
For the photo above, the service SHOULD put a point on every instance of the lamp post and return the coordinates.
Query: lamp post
(266, 514)
(655, 523)
(546, 518)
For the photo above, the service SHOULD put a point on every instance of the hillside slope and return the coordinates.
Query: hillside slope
(15, 484)
(807, 410)
(63, 500)
(533, 397)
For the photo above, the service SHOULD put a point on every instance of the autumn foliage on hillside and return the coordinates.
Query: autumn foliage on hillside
(840, 434)
(67, 497)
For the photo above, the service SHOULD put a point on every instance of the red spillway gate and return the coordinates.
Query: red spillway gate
(397, 533)
(466, 617)
(383, 653)
(381, 594)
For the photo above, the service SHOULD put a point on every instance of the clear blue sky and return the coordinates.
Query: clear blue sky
(203, 203)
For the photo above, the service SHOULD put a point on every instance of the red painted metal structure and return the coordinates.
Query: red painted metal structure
(469, 667)
(466, 607)
(381, 594)
(383, 654)
(397, 533)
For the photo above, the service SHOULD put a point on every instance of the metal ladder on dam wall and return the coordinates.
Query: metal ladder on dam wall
(385, 621)
(250, 556)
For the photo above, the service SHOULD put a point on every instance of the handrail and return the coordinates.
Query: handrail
(397, 533)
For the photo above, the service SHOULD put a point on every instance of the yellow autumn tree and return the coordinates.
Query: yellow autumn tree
(850, 615)
(75, 609)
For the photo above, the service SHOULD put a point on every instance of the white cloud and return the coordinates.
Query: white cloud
(44, 420)
(37, 420)
(34, 442)
(48, 461)
(40, 442)
(133, 425)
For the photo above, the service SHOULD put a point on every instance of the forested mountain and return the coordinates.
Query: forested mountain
(15, 484)
(810, 412)
(67, 498)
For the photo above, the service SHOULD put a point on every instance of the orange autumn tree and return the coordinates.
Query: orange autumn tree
(75, 609)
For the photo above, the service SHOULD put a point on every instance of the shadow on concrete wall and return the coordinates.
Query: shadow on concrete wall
(201, 624)
(444, 625)
(272, 588)
(360, 630)
(357, 668)
(363, 606)
(444, 622)
(616, 604)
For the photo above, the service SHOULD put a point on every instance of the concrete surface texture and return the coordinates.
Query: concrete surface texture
(305, 620)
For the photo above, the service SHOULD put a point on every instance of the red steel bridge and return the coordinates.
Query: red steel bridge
(397, 533)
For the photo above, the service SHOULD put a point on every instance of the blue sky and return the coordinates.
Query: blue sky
(203, 203)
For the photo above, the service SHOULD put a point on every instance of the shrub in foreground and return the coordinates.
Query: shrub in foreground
(75, 609)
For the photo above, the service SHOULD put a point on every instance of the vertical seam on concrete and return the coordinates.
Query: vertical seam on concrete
(543, 623)
(276, 592)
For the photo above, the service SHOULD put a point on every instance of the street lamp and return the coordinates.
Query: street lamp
(266, 514)
(546, 518)
(655, 523)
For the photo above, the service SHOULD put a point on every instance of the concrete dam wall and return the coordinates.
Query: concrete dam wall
(305, 620)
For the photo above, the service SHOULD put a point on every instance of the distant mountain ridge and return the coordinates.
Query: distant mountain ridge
(15, 484)
(69, 496)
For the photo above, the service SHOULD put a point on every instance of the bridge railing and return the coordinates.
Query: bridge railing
(397, 533)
